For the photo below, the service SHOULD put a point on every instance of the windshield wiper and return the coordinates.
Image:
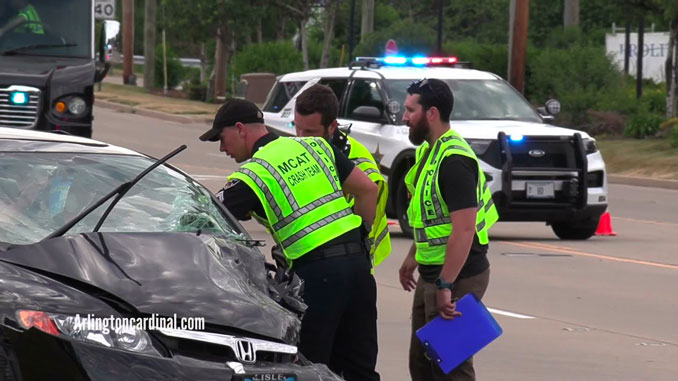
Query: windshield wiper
(13, 51)
(120, 191)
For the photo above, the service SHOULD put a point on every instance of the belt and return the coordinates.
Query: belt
(351, 249)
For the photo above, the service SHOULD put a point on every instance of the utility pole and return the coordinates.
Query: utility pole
(128, 77)
(518, 44)
(149, 43)
(571, 13)
(639, 54)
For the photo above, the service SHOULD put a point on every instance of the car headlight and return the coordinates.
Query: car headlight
(77, 106)
(89, 329)
(590, 146)
(479, 146)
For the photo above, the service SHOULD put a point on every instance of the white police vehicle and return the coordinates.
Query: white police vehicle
(536, 171)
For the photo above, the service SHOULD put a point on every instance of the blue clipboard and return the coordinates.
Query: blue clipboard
(450, 342)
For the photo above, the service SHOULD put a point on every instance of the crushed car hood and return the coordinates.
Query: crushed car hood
(169, 273)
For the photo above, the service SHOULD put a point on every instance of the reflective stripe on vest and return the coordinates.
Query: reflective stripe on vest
(379, 237)
(297, 211)
(429, 216)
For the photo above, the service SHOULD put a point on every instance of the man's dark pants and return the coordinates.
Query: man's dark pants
(339, 328)
(424, 310)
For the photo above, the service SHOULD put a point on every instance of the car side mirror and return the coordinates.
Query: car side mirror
(110, 40)
(367, 112)
(109, 45)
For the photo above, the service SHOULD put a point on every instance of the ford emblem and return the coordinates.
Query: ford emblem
(536, 153)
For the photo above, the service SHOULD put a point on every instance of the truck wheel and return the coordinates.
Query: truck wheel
(576, 231)
(402, 202)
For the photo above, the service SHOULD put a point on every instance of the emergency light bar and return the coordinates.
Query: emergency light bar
(406, 61)
(417, 60)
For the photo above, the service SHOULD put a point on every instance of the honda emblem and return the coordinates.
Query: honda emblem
(244, 351)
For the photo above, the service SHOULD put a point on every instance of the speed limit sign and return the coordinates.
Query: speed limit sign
(104, 9)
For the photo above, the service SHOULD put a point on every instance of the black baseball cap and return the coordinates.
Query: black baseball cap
(234, 111)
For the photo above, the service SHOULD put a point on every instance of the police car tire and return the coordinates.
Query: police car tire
(575, 231)
(402, 202)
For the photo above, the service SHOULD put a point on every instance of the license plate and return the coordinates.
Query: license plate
(540, 190)
(266, 377)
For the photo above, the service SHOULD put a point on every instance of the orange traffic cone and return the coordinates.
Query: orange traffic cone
(605, 225)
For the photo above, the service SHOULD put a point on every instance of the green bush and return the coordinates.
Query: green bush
(315, 51)
(486, 57)
(581, 77)
(277, 57)
(175, 70)
(643, 124)
(673, 137)
(654, 100)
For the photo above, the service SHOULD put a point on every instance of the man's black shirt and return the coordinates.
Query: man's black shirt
(240, 199)
(458, 181)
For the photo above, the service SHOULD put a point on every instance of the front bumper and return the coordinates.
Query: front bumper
(578, 181)
(40, 356)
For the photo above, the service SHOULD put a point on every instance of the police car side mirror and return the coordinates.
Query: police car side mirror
(367, 113)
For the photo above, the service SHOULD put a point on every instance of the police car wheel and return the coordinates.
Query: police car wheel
(575, 231)
(402, 202)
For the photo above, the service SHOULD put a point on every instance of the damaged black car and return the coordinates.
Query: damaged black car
(115, 265)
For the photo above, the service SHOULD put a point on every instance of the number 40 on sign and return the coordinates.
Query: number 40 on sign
(104, 9)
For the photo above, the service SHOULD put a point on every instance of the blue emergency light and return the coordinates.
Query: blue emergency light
(19, 98)
(516, 138)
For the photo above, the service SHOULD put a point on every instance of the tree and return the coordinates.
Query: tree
(672, 61)
(301, 10)
(367, 24)
(225, 19)
(571, 13)
(330, 17)
(149, 43)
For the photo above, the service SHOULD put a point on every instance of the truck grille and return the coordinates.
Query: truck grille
(544, 152)
(19, 116)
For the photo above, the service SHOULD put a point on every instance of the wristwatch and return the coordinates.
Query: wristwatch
(441, 284)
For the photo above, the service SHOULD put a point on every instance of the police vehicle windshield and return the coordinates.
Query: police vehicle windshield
(476, 100)
(46, 27)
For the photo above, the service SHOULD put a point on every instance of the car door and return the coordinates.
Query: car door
(363, 107)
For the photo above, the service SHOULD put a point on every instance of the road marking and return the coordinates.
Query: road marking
(646, 221)
(509, 314)
(568, 250)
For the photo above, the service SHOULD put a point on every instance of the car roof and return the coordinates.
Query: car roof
(390, 72)
(61, 142)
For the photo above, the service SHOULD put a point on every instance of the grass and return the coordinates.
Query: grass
(138, 96)
(652, 157)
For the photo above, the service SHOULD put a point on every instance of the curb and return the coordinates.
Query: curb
(643, 181)
(152, 113)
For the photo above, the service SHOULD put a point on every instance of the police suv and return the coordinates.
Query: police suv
(536, 171)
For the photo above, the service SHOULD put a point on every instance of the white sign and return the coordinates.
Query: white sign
(655, 50)
(104, 9)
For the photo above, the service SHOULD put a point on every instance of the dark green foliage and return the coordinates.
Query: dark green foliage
(175, 70)
(643, 124)
(579, 76)
(486, 57)
(412, 38)
(277, 57)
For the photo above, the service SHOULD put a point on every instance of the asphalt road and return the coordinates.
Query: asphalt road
(601, 309)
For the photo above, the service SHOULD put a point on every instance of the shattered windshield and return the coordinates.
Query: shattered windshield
(39, 192)
(46, 27)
